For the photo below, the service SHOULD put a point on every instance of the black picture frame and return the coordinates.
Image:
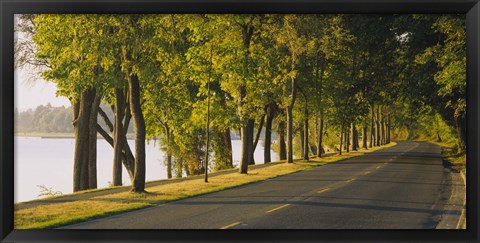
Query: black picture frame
(10, 7)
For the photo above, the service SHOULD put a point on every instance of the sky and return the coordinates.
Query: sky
(31, 92)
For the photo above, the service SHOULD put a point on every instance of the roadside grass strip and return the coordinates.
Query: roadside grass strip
(78, 207)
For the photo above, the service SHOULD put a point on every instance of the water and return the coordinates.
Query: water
(49, 162)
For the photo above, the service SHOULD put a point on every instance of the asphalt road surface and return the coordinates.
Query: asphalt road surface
(402, 187)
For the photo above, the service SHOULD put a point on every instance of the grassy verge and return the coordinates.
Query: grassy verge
(54, 212)
(458, 162)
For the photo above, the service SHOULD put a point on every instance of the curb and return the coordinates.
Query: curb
(462, 215)
(455, 203)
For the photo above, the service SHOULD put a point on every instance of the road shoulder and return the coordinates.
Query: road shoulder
(454, 210)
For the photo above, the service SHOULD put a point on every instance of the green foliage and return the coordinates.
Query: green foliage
(412, 66)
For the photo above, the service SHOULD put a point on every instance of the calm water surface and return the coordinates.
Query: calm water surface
(49, 162)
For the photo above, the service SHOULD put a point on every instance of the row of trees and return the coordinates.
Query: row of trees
(355, 76)
(50, 119)
(44, 119)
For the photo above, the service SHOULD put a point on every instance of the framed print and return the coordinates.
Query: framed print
(239, 121)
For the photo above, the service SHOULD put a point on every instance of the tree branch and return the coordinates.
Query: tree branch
(106, 119)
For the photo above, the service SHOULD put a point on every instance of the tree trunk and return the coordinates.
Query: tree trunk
(320, 137)
(384, 139)
(364, 137)
(289, 135)
(118, 136)
(305, 135)
(341, 141)
(77, 169)
(139, 125)
(347, 138)
(82, 135)
(222, 148)
(388, 128)
(169, 152)
(268, 133)
(92, 149)
(259, 132)
(281, 141)
(179, 165)
(354, 137)
(251, 130)
(290, 121)
(246, 129)
(302, 144)
(257, 138)
(246, 146)
(228, 142)
(460, 127)
(129, 159)
(372, 129)
(377, 122)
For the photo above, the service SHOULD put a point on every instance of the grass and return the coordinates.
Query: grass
(457, 160)
(65, 209)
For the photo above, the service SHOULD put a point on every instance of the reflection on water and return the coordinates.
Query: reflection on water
(49, 162)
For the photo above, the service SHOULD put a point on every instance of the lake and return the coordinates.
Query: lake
(49, 162)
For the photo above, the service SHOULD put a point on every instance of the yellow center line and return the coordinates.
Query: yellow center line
(378, 167)
(230, 225)
(277, 208)
(324, 190)
(368, 172)
(350, 180)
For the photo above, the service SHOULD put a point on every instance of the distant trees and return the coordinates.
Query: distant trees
(44, 119)
(313, 81)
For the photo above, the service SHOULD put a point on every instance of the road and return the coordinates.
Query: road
(402, 187)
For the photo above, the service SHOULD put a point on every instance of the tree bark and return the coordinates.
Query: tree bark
(169, 152)
(372, 128)
(128, 159)
(139, 125)
(82, 135)
(92, 149)
(377, 122)
(251, 130)
(281, 141)
(388, 128)
(384, 139)
(347, 138)
(222, 148)
(319, 75)
(118, 136)
(305, 135)
(246, 146)
(302, 142)
(228, 141)
(364, 137)
(460, 127)
(341, 141)
(257, 138)
(259, 131)
(320, 138)
(247, 129)
(268, 133)
(290, 121)
(354, 137)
